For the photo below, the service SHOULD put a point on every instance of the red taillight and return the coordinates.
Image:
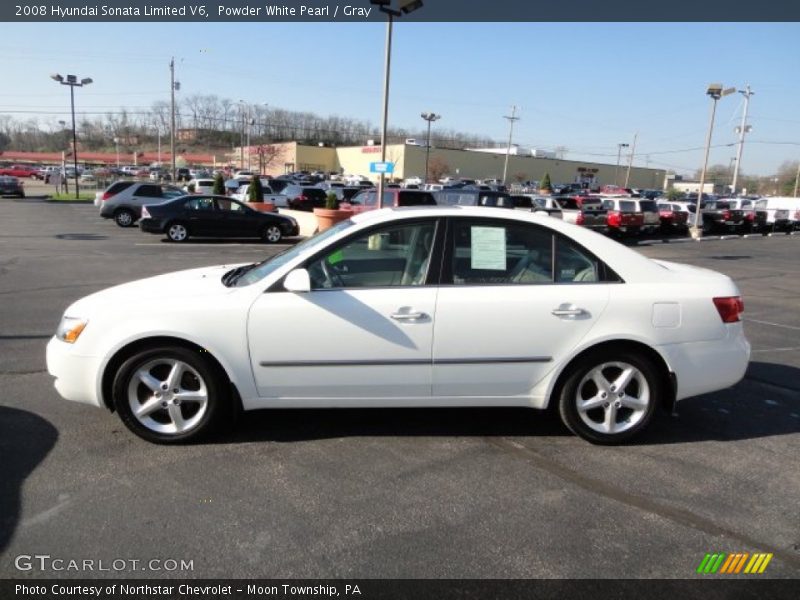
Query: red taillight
(106, 196)
(579, 220)
(726, 214)
(613, 218)
(729, 308)
(750, 216)
(667, 214)
(302, 198)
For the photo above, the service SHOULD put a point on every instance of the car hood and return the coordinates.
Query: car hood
(169, 287)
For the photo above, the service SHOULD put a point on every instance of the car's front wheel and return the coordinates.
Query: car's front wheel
(177, 232)
(272, 234)
(169, 395)
(609, 397)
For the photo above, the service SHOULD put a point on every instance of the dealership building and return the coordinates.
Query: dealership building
(409, 160)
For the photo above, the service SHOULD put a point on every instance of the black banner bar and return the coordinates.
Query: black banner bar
(401, 589)
(430, 11)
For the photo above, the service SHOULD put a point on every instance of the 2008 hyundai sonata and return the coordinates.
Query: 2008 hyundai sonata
(409, 307)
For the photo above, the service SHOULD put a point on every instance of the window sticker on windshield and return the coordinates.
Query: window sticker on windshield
(488, 248)
(336, 257)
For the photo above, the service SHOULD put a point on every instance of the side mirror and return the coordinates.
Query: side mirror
(297, 281)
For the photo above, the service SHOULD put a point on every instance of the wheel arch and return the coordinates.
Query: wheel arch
(669, 379)
(132, 347)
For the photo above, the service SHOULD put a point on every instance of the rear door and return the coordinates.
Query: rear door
(515, 299)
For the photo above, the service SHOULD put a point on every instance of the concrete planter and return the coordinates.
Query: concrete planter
(262, 206)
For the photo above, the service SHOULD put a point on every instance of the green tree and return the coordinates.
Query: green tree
(546, 184)
(255, 192)
(673, 194)
(219, 185)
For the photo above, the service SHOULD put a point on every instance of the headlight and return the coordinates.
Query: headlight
(70, 328)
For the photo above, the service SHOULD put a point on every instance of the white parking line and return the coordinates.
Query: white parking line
(206, 245)
(777, 349)
(792, 327)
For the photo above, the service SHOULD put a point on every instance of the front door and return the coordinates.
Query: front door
(363, 332)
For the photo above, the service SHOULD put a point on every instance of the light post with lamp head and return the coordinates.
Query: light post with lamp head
(620, 146)
(406, 6)
(429, 117)
(715, 91)
(72, 82)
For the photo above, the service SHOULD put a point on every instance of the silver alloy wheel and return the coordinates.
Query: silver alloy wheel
(612, 397)
(177, 232)
(167, 396)
(272, 233)
(124, 218)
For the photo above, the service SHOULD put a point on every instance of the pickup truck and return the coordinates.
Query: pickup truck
(718, 215)
(591, 216)
(20, 171)
(777, 213)
(622, 218)
(544, 204)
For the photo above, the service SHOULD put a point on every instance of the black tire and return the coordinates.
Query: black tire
(577, 382)
(201, 420)
(124, 217)
(272, 234)
(177, 232)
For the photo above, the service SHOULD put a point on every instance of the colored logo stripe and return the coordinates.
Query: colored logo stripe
(734, 563)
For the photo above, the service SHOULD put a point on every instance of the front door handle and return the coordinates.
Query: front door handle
(408, 316)
(568, 310)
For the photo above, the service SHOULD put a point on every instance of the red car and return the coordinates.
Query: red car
(20, 171)
(672, 219)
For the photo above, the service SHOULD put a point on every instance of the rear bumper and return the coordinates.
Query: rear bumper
(151, 226)
(690, 362)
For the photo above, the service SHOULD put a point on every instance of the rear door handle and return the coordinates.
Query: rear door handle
(568, 311)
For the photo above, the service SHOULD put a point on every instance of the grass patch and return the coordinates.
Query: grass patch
(71, 196)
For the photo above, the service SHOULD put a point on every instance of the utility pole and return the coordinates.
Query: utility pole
(511, 120)
(743, 128)
(172, 114)
(796, 180)
(630, 160)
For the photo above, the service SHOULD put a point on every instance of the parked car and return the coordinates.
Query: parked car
(305, 198)
(748, 208)
(471, 196)
(440, 306)
(673, 219)
(125, 206)
(214, 216)
(546, 204)
(183, 174)
(279, 200)
(111, 191)
(777, 213)
(718, 216)
(20, 171)
(201, 186)
(11, 186)
(591, 216)
(651, 217)
(368, 199)
(622, 218)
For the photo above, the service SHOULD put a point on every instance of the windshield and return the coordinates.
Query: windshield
(269, 265)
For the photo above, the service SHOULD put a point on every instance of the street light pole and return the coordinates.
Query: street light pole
(511, 120)
(172, 87)
(630, 160)
(72, 82)
(116, 147)
(743, 129)
(715, 92)
(619, 155)
(406, 6)
(429, 117)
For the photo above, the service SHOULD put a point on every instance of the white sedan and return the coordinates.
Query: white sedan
(434, 306)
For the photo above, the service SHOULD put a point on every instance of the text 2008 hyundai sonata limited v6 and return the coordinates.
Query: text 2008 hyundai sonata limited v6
(450, 306)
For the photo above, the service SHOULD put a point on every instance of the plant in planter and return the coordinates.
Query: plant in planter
(255, 196)
(331, 214)
(546, 187)
(219, 185)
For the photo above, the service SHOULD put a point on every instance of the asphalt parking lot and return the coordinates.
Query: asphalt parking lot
(475, 493)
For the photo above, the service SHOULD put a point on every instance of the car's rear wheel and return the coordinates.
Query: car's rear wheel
(272, 234)
(169, 395)
(177, 232)
(609, 397)
(124, 217)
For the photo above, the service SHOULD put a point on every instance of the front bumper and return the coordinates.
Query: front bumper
(76, 376)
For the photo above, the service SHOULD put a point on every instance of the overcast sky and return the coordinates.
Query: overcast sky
(586, 87)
